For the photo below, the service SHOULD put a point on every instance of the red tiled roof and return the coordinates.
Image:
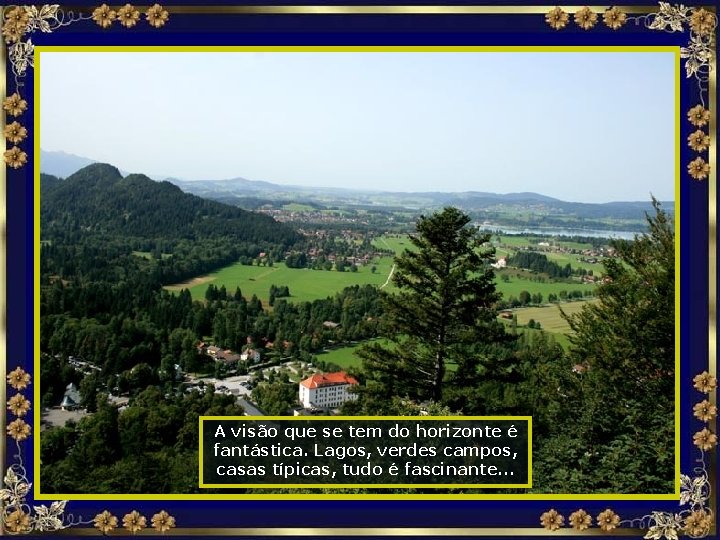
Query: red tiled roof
(328, 379)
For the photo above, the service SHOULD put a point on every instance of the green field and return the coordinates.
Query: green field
(518, 284)
(308, 285)
(298, 207)
(563, 258)
(549, 316)
(397, 243)
(304, 284)
(346, 359)
(342, 356)
(560, 339)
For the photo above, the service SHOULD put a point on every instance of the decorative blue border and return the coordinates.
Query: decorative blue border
(668, 25)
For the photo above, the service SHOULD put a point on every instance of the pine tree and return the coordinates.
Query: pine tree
(443, 312)
(622, 394)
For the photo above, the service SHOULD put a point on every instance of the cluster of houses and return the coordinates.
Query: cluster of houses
(249, 353)
(590, 255)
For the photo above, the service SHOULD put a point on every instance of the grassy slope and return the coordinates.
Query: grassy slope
(304, 284)
(307, 285)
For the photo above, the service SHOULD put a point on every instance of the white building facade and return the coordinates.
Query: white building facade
(327, 390)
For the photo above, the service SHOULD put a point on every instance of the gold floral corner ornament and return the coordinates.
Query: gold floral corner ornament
(700, 49)
(670, 18)
(698, 523)
(16, 515)
(19, 22)
(696, 518)
(698, 55)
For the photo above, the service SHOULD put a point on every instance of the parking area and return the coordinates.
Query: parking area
(55, 416)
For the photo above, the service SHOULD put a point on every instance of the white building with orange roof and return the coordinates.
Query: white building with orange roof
(325, 390)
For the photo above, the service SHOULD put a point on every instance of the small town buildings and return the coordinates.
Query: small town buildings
(71, 399)
(326, 390)
(250, 354)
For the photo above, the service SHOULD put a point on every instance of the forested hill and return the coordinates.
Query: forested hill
(97, 199)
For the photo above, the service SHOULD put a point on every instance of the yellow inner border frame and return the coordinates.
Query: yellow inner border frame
(527, 419)
(40, 50)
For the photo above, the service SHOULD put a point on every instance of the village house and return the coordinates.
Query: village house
(71, 399)
(250, 354)
(228, 356)
(326, 390)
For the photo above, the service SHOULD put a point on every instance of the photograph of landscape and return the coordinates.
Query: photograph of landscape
(358, 234)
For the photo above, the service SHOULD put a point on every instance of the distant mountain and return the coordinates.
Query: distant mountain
(243, 192)
(99, 199)
(62, 164)
(238, 190)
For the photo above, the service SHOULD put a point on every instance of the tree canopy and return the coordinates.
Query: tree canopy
(442, 312)
(615, 424)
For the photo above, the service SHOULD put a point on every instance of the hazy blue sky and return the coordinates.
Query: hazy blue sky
(589, 127)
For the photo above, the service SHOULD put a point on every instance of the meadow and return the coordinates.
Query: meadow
(549, 316)
(308, 285)
(522, 281)
(398, 243)
(304, 284)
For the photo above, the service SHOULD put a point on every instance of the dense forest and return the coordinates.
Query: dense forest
(104, 304)
(110, 243)
(96, 214)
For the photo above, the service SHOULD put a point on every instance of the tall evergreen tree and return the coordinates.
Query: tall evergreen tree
(621, 396)
(442, 312)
